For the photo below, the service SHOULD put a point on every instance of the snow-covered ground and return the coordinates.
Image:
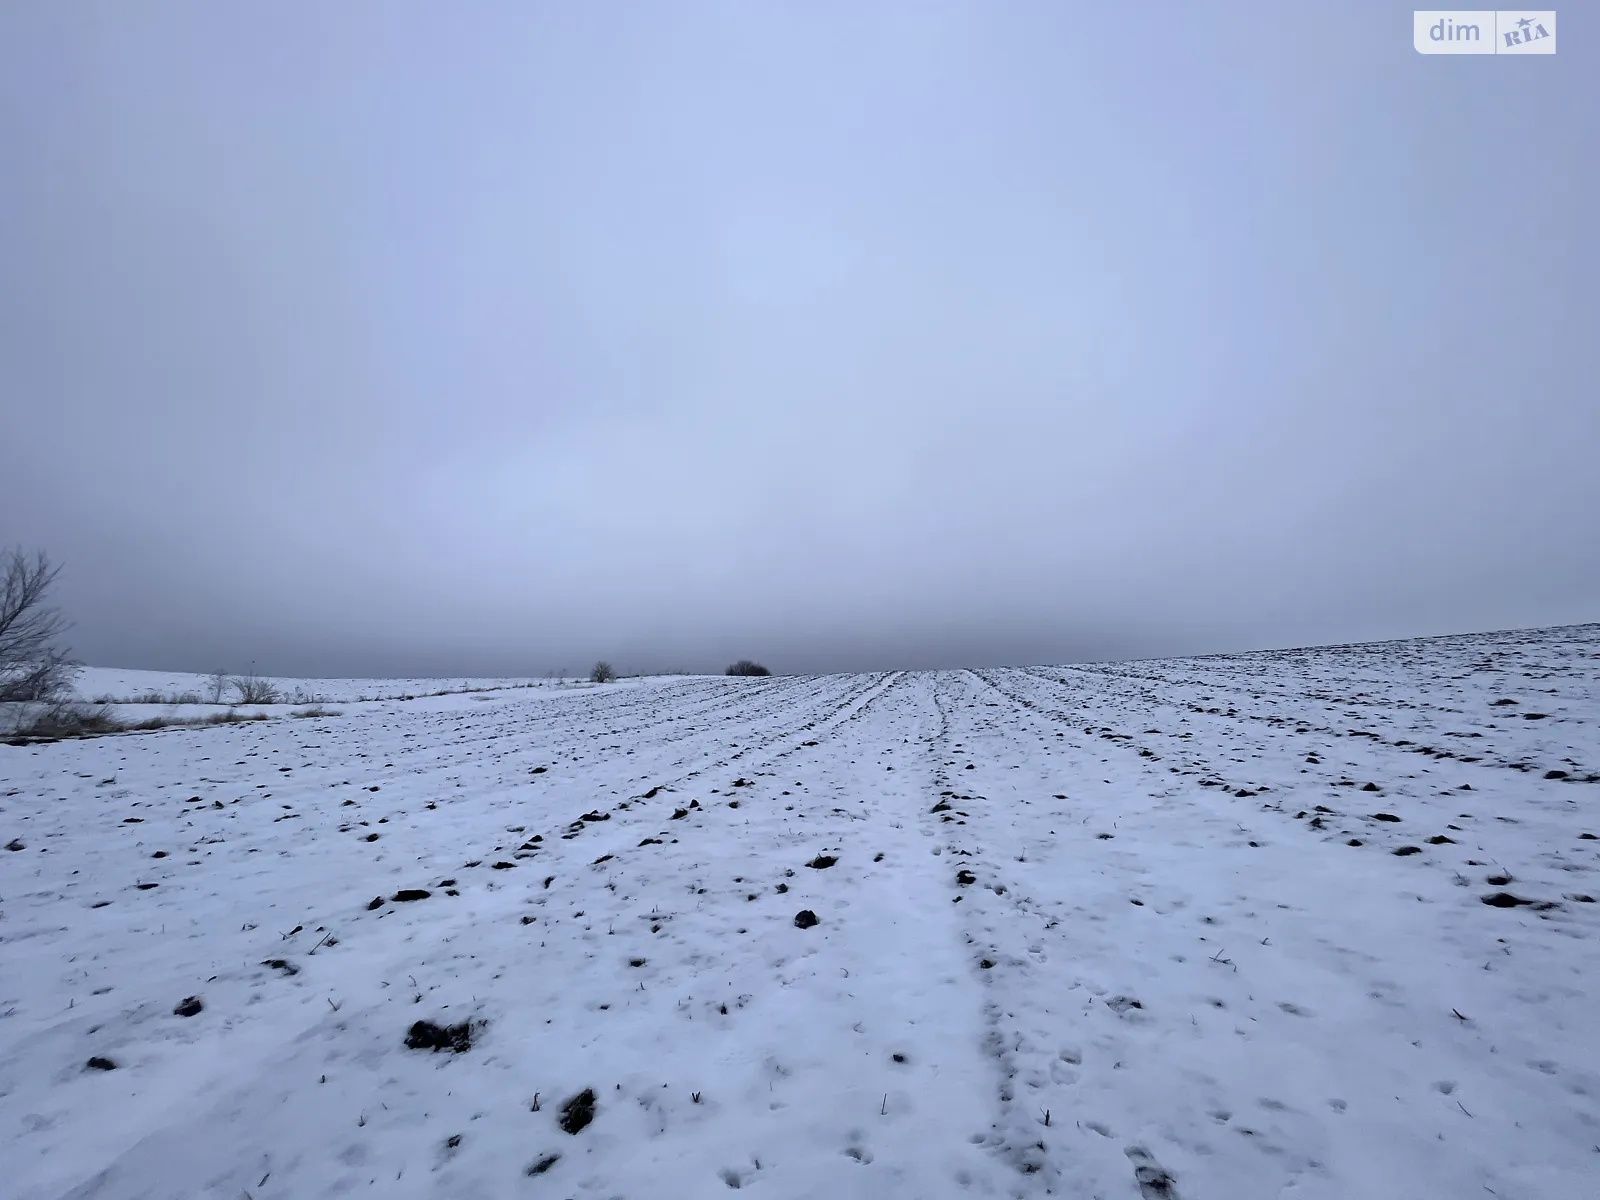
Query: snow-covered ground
(127, 687)
(1214, 928)
(138, 700)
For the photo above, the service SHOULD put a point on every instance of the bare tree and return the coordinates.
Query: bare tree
(603, 673)
(33, 667)
(219, 682)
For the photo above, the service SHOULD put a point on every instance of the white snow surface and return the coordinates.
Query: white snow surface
(1091, 931)
(119, 686)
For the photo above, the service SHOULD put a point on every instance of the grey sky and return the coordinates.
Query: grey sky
(423, 338)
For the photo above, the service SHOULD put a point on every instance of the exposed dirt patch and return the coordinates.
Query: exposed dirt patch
(425, 1035)
(543, 1165)
(577, 1112)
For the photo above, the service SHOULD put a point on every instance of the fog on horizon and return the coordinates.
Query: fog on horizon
(390, 339)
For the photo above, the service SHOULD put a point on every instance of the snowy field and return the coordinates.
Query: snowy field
(1292, 926)
(138, 700)
(123, 687)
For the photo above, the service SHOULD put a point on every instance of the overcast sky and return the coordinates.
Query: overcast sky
(394, 338)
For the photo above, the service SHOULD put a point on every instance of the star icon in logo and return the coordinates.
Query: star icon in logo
(1525, 22)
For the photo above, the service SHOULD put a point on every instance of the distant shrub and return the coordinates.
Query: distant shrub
(317, 711)
(77, 721)
(231, 717)
(253, 689)
(69, 720)
(745, 667)
(603, 672)
(155, 697)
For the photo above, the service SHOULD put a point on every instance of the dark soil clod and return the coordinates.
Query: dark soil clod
(425, 1035)
(1504, 900)
(411, 894)
(544, 1164)
(189, 1006)
(1439, 839)
(99, 1063)
(577, 1112)
(805, 919)
(1384, 817)
(1402, 851)
(281, 964)
(375, 902)
(822, 862)
(15, 844)
(963, 878)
